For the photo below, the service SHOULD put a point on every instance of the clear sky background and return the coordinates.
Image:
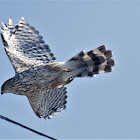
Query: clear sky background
(107, 106)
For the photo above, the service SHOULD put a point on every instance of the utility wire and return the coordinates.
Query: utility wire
(39, 133)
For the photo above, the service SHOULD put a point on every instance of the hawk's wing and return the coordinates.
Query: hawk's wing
(48, 103)
(24, 46)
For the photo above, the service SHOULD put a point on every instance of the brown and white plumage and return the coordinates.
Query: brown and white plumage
(37, 75)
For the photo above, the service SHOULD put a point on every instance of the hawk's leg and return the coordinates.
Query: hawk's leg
(66, 70)
(69, 81)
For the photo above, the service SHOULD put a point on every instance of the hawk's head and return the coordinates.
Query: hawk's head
(6, 87)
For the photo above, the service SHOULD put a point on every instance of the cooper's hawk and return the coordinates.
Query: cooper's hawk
(38, 76)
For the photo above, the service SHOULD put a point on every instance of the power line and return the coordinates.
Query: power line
(39, 133)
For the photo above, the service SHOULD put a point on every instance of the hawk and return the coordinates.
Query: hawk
(38, 76)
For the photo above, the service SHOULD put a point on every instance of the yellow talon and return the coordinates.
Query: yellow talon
(66, 70)
(69, 81)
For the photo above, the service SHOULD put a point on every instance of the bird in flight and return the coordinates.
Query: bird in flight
(38, 76)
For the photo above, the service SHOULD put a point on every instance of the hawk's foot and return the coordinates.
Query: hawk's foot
(69, 81)
(66, 70)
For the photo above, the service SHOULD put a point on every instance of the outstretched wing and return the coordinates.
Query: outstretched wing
(24, 46)
(48, 103)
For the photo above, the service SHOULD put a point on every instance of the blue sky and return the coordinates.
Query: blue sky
(103, 107)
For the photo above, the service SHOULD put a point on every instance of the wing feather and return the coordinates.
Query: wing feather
(48, 103)
(24, 46)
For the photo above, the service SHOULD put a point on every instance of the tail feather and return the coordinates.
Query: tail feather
(108, 54)
(111, 62)
(94, 62)
(102, 69)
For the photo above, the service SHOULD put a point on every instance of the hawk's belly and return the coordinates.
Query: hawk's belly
(36, 79)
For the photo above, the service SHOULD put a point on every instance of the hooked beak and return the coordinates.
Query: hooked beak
(2, 93)
(2, 88)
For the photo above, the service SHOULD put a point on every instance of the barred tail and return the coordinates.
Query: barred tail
(93, 62)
